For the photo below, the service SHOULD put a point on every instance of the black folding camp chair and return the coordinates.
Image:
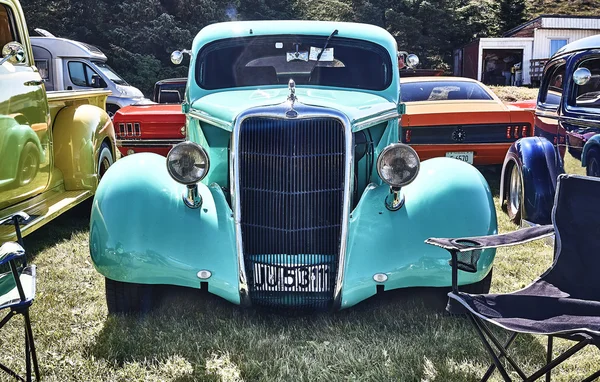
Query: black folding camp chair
(17, 290)
(564, 302)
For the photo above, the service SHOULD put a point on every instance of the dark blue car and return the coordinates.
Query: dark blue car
(567, 115)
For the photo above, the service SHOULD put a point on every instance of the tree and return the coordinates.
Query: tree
(511, 13)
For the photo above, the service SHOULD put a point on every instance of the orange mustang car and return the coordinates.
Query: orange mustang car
(460, 118)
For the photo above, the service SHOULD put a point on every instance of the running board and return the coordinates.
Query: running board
(42, 209)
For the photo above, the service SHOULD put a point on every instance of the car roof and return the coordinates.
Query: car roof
(592, 42)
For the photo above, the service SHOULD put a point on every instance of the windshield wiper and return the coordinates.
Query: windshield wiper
(335, 32)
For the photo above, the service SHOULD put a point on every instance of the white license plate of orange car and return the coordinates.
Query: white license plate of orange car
(465, 156)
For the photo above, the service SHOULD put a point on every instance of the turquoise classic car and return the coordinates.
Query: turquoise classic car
(292, 189)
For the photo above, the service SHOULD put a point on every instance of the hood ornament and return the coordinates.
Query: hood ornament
(291, 113)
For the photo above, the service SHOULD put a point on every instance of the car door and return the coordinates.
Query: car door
(581, 117)
(79, 75)
(25, 160)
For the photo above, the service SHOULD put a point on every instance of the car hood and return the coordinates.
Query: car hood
(359, 107)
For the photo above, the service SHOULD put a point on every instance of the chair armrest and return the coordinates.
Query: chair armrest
(21, 216)
(10, 251)
(466, 244)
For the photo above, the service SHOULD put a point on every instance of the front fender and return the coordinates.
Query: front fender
(449, 198)
(539, 165)
(594, 141)
(141, 231)
(78, 134)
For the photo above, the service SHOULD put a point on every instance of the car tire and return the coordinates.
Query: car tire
(124, 298)
(514, 200)
(29, 163)
(105, 159)
(481, 287)
(593, 162)
(111, 110)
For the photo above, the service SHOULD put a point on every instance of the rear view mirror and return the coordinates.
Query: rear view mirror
(98, 82)
(13, 52)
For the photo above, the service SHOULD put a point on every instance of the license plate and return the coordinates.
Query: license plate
(465, 156)
(311, 278)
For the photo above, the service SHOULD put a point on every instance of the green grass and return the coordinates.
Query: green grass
(400, 336)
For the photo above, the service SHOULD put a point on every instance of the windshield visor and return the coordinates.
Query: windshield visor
(274, 60)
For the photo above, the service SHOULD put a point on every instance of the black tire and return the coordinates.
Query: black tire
(480, 287)
(514, 199)
(105, 159)
(111, 110)
(593, 162)
(29, 164)
(123, 298)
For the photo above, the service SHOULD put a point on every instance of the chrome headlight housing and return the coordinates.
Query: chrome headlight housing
(188, 163)
(398, 165)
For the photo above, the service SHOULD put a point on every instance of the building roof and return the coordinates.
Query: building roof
(539, 19)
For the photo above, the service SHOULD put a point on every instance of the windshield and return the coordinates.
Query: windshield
(110, 73)
(442, 91)
(273, 60)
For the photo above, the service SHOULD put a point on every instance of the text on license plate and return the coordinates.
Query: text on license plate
(465, 156)
(311, 278)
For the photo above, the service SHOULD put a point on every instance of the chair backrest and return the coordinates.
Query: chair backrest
(576, 218)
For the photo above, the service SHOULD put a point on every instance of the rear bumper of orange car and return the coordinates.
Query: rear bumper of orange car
(484, 154)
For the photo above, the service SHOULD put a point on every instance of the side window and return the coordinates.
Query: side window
(588, 95)
(77, 73)
(80, 74)
(552, 86)
(8, 30)
(42, 66)
(556, 44)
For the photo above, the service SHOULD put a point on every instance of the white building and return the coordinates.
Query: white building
(526, 48)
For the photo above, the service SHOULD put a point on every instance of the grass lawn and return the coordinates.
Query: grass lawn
(400, 336)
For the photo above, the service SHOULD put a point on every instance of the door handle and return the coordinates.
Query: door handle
(33, 83)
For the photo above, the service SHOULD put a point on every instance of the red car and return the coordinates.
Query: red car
(153, 127)
(149, 128)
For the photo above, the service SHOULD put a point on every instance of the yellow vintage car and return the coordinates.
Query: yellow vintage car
(54, 146)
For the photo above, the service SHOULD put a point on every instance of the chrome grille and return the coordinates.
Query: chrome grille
(291, 190)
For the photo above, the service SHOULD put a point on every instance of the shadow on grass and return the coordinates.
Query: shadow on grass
(400, 335)
(72, 222)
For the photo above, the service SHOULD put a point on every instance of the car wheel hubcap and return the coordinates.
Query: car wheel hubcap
(514, 196)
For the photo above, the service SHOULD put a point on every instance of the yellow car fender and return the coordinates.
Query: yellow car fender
(79, 132)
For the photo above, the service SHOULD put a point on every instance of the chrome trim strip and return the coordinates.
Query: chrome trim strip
(374, 120)
(147, 142)
(579, 121)
(304, 112)
(203, 117)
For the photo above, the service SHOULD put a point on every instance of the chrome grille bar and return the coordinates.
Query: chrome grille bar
(292, 181)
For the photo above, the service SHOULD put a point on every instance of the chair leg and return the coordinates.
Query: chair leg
(501, 349)
(36, 368)
(592, 377)
(489, 349)
(492, 367)
(27, 356)
(549, 358)
(558, 360)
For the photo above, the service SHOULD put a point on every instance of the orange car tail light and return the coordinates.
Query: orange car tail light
(129, 130)
(407, 136)
(516, 135)
(524, 131)
(508, 132)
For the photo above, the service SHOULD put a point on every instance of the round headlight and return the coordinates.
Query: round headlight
(188, 163)
(398, 164)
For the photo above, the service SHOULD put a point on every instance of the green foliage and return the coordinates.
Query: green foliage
(138, 36)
